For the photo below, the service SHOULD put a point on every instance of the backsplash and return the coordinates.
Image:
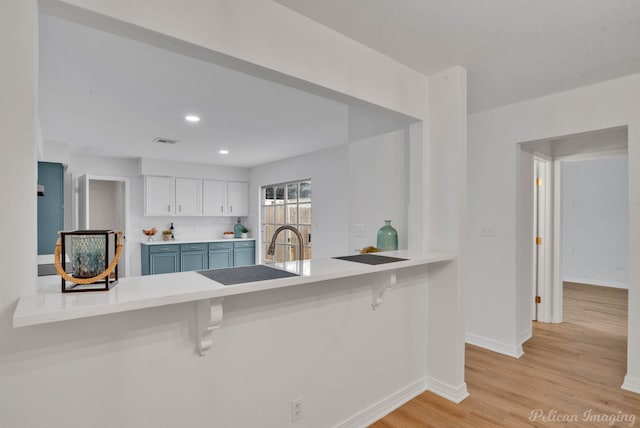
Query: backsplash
(188, 227)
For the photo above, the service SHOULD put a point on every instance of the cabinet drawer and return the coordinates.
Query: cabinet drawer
(163, 248)
(244, 244)
(221, 245)
(193, 247)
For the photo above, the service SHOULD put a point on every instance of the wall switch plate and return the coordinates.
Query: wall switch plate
(487, 231)
(358, 230)
(296, 409)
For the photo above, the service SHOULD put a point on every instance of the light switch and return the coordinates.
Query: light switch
(486, 231)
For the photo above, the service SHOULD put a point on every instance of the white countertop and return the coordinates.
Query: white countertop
(49, 304)
(196, 241)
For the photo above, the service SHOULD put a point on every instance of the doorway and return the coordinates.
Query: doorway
(102, 203)
(541, 277)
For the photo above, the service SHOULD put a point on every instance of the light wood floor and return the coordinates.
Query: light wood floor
(568, 368)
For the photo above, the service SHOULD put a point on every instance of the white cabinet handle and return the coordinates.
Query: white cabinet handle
(180, 208)
(230, 209)
(221, 208)
(168, 208)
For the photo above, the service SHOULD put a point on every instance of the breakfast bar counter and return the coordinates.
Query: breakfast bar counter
(140, 292)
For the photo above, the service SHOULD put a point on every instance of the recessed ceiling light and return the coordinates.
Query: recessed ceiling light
(192, 118)
(223, 152)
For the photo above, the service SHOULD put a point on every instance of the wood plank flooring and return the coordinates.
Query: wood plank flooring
(568, 369)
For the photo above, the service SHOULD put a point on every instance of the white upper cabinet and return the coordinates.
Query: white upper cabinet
(237, 199)
(214, 198)
(170, 196)
(158, 195)
(188, 197)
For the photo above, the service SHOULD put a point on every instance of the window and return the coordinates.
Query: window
(286, 203)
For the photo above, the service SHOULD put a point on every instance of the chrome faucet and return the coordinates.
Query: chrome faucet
(272, 246)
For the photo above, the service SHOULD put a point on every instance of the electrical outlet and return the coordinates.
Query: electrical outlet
(358, 230)
(296, 409)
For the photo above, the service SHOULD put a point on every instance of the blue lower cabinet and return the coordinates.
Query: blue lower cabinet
(244, 253)
(193, 257)
(171, 258)
(220, 255)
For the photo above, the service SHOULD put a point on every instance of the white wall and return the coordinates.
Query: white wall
(364, 182)
(378, 187)
(139, 368)
(328, 171)
(595, 221)
(445, 189)
(490, 274)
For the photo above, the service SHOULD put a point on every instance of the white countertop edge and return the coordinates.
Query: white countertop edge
(50, 305)
(195, 241)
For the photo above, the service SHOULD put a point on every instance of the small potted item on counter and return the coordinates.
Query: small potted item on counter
(228, 235)
(166, 235)
(245, 232)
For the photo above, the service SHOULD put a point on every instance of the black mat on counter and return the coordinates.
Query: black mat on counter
(370, 259)
(239, 275)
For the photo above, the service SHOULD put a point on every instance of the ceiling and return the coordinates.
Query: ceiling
(513, 50)
(106, 95)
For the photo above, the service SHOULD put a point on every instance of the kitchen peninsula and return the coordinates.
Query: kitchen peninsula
(49, 305)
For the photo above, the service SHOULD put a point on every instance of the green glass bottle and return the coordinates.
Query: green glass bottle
(237, 229)
(387, 237)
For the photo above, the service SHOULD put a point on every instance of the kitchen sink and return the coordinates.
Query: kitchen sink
(370, 259)
(240, 275)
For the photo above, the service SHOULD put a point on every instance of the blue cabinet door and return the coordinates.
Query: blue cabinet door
(192, 260)
(164, 263)
(244, 256)
(219, 259)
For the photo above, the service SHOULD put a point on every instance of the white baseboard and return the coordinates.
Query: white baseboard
(586, 281)
(514, 351)
(631, 384)
(385, 406)
(525, 335)
(451, 393)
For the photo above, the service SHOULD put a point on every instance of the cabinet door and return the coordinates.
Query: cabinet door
(214, 198)
(192, 260)
(219, 259)
(244, 256)
(164, 263)
(237, 199)
(158, 195)
(188, 196)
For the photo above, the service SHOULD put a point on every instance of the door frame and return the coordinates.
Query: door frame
(76, 209)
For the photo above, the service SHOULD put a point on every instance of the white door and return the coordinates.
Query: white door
(543, 238)
(214, 198)
(188, 196)
(237, 199)
(158, 195)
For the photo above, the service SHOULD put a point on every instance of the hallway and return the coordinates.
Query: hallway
(570, 375)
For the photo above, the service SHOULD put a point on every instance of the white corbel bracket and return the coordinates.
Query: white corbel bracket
(208, 319)
(381, 283)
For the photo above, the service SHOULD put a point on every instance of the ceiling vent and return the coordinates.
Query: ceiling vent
(164, 140)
